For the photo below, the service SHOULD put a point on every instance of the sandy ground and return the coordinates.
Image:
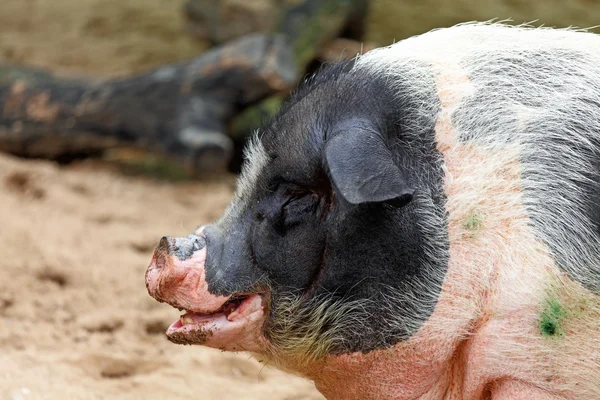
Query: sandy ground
(94, 37)
(75, 319)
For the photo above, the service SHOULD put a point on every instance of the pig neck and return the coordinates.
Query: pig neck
(432, 364)
(488, 264)
(429, 365)
(438, 361)
(493, 252)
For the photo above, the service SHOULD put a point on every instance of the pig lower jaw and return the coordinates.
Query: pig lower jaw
(235, 326)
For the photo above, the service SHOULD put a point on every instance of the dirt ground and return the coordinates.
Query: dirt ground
(75, 319)
(94, 37)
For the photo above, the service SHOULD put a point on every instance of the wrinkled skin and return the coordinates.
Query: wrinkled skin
(377, 247)
(294, 237)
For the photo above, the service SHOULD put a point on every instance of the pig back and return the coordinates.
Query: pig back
(519, 131)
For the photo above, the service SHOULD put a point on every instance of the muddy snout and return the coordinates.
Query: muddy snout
(182, 247)
(176, 273)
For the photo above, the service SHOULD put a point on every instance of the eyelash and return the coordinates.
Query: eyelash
(285, 210)
(293, 196)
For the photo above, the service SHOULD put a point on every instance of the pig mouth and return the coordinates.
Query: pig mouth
(222, 327)
(177, 276)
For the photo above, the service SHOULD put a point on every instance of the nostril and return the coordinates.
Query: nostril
(184, 248)
(154, 271)
(164, 245)
(199, 242)
(159, 260)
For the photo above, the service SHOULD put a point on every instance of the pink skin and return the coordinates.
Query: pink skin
(238, 331)
(482, 340)
(518, 390)
(182, 284)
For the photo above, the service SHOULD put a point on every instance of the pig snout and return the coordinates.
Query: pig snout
(183, 248)
(176, 274)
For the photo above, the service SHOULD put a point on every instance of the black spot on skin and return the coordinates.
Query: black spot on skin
(554, 87)
(298, 235)
(549, 328)
(552, 316)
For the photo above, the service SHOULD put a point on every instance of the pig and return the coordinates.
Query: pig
(420, 222)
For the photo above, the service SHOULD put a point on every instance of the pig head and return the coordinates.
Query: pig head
(419, 223)
(321, 236)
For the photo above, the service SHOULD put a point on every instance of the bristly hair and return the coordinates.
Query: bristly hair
(327, 72)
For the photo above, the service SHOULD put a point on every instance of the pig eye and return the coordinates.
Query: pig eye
(296, 207)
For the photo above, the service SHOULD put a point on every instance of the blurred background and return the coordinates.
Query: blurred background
(123, 121)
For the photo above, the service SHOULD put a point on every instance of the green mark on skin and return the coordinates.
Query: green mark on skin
(552, 316)
(473, 222)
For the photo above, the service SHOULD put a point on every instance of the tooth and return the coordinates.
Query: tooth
(185, 321)
(232, 315)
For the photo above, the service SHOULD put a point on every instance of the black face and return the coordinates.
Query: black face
(336, 212)
(289, 231)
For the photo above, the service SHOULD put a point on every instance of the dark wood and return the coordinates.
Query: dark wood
(218, 21)
(306, 24)
(309, 26)
(181, 110)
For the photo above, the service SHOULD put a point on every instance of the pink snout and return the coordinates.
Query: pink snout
(176, 275)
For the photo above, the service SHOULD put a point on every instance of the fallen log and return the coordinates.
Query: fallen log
(306, 24)
(180, 110)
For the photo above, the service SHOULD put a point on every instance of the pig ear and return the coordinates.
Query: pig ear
(362, 168)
